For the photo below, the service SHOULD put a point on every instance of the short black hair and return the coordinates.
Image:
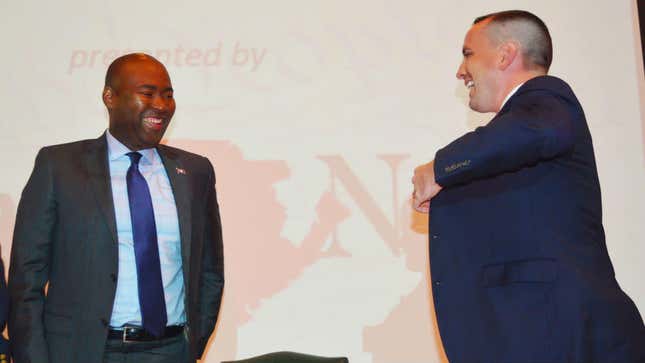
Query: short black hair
(116, 65)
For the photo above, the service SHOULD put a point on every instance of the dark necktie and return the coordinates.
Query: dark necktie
(146, 252)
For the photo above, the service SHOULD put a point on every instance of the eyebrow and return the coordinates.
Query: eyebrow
(151, 87)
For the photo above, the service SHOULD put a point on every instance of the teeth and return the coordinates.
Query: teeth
(470, 84)
(153, 120)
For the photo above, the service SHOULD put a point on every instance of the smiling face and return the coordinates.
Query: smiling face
(480, 70)
(139, 98)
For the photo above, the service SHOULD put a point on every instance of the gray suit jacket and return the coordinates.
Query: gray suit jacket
(65, 236)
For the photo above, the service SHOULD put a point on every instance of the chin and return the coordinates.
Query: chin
(478, 107)
(154, 143)
(151, 138)
(473, 106)
(148, 143)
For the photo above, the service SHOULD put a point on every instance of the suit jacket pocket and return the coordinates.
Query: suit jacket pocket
(541, 270)
(518, 304)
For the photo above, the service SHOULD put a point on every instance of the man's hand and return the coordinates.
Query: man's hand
(425, 187)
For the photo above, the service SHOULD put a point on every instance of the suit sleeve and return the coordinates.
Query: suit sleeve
(30, 261)
(537, 127)
(212, 279)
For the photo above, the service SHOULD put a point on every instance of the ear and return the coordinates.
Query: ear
(509, 52)
(109, 97)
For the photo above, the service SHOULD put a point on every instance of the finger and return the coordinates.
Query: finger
(419, 195)
(423, 207)
(418, 202)
(426, 207)
(415, 199)
(415, 202)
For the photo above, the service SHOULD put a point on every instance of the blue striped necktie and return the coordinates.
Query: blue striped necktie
(146, 252)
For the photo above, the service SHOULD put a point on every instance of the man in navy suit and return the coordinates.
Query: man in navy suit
(520, 270)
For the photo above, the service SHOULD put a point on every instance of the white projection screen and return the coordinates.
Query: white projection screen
(314, 114)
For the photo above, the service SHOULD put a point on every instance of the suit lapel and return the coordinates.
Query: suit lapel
(98, 173)
(179, 181)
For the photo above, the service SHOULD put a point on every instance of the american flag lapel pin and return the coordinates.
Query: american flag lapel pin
(180, 171)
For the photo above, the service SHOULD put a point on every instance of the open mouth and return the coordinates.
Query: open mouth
(470, 84)
(153, 123)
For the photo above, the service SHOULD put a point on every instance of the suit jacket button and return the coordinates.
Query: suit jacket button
(113, 277)
(437, 283)
(104, 322)
(434, 236)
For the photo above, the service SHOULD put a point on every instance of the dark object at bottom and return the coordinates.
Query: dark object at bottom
(290, 357)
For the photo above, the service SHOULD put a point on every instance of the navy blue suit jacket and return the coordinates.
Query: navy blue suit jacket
(520, 270)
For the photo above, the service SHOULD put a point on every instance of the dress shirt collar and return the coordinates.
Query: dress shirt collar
(116, 149)
(509, 95)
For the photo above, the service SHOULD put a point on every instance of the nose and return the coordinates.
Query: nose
(461, 71)
(160, 102)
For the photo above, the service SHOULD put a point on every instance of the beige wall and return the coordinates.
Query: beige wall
(315, 114)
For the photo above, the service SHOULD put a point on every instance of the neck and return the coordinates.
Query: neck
(515, 80)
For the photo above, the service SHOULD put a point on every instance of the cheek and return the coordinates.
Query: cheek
(137, 102)
(471, 68)
(139, 105)
(481, 70)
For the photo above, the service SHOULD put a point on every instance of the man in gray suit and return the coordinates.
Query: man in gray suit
(126, 235)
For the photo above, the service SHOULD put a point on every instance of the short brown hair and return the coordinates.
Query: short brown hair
(529, 30)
